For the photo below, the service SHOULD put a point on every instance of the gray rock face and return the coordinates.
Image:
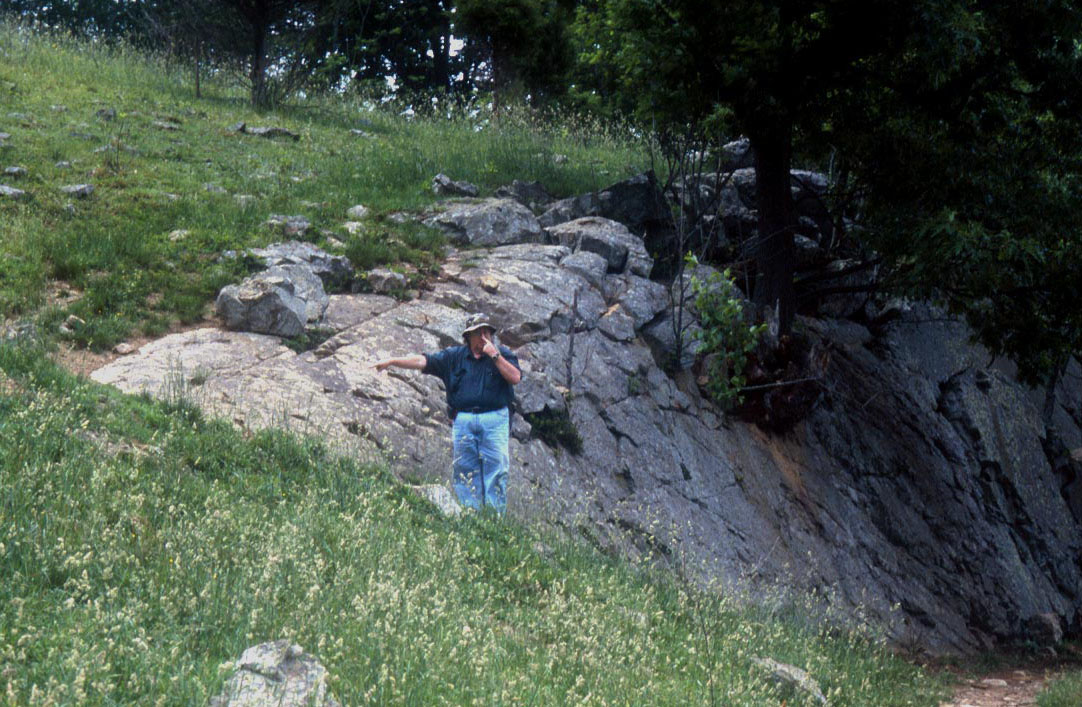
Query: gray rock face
(441, 497)
(637, 203)
(918, 488)
(488, 222)
(570, 209)
(278, 673)
(334, 270)
(445, 186)
(737, 155)
(306, 285)
(620, 248)
(263, 304)
(385, 280)
(532, 195)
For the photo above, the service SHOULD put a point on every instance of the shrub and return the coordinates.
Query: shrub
(726, 337)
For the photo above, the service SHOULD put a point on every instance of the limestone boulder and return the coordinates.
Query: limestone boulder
(278, 673)
(335, 271)
(532, 195)
(621, 249)
(289, 226)
(570, 209)
(445, 186)
(488, 222)
(263, 304)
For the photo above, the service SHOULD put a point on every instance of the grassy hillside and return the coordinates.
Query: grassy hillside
(142, 546)
(112, 252)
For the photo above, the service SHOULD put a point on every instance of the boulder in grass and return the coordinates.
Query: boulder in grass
(306, 285)
(15, 172)
(445, 186)
(385, 281)
(263, 304)
(11, 192)
(79, 191)
(334, 270)
(439, 496)
(290, 226)
(357, 212)
(165, 125)
(489, 222)
(532, 195)
(792, 679)
(272, 132)
(277, 673)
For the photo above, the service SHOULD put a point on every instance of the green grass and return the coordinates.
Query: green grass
(115, 245)
(1064, 692)
(144, 546)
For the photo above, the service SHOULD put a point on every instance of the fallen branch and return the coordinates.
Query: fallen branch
(780, 384)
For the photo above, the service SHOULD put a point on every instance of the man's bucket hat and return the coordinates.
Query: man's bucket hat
(475, 322)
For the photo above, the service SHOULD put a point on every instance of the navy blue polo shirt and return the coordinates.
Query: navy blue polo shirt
(471, 383)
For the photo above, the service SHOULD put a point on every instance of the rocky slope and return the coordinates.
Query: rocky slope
(918, 488)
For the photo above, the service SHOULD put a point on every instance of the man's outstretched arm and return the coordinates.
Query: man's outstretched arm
(416, 362)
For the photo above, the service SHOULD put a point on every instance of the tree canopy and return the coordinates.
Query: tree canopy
(958, 121)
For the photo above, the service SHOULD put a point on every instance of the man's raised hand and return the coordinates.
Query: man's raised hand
(490, 348)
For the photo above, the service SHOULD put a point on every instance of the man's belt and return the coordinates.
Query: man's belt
(479, 410)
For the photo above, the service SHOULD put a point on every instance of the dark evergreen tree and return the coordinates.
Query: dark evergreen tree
(958, 118)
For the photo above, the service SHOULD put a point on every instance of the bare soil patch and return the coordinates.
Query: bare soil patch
(1016, 679)
(83, 361)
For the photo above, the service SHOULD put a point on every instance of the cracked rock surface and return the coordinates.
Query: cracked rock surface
(917, 488)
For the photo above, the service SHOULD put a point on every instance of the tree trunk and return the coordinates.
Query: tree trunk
(198, 66)
(774, 251)
(259, 64)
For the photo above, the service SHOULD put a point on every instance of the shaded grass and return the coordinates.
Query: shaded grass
(144, 546)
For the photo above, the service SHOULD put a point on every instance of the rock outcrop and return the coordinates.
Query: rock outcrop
(279, 673)
(918, 487)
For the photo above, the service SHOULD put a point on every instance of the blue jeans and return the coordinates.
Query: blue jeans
(481, 461)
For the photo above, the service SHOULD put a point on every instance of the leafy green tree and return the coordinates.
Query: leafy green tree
(958, 120)
(109, 19)
(526, 43)
(368, 41)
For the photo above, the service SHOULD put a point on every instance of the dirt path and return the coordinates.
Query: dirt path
(1009, 687)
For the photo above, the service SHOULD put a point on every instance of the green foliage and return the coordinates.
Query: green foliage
(726, 338)
(526, 41)
(554, 428)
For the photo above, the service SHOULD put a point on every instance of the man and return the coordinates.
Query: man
(478, 377)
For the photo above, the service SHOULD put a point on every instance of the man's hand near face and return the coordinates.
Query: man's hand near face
(490, 349)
